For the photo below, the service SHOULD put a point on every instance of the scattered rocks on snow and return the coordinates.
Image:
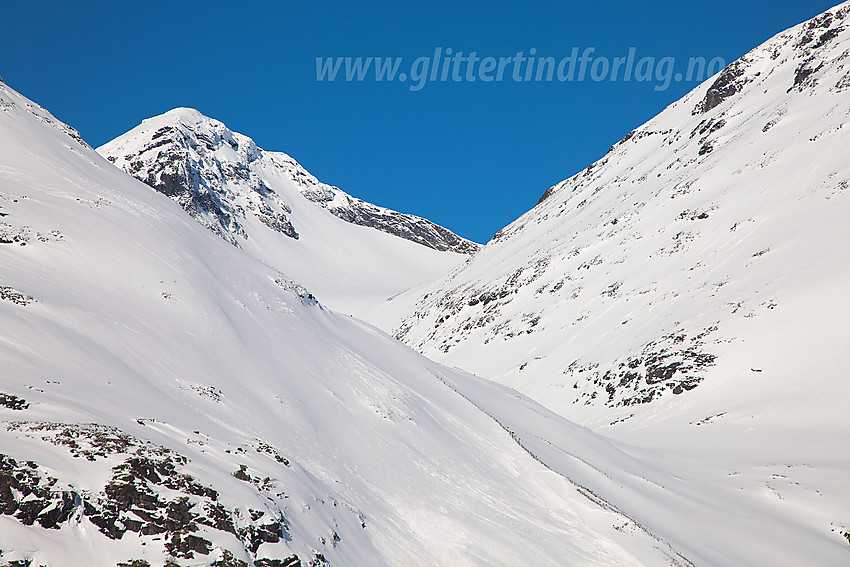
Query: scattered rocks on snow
(149, 493)
(13, 402)
(17, 297)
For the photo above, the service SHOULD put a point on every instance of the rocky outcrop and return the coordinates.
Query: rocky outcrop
(409, 227)
(205, 168)
(150, 494)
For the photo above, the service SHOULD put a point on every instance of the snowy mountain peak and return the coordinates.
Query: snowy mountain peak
(220, 177)
(205, 167)
(351, 254)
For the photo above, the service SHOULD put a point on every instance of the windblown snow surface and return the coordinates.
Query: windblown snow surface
(689, 293)
(350, 253)
(167, 398)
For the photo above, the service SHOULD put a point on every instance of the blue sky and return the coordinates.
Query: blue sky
(471, 156)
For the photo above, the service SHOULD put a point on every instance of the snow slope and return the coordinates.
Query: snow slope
(168, 398)
(351, 253)
(705, 250)
(688, 294)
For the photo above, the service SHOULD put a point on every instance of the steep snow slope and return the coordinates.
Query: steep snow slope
(265, 202)
(706, 250)
(167, 398)
(688, 293)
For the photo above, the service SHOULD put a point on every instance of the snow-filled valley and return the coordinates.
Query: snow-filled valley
(166, 395)
(647, 368)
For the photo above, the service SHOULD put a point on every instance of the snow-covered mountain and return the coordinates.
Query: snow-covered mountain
(168, 398)
(706, 249)
(688, 292)
(266, 203)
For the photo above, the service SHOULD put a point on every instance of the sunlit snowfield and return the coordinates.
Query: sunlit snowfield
(665, 330)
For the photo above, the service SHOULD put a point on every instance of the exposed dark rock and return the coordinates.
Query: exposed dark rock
(820, 30)
(707, 127)
(730, 82)
(30, 497)
(277, 222)
(547, 194)
(11, 234)
(487, 297)
(269, 450)
(673, 363)
(806, 75)
(816, 34)
(241, 474)
(255, 535)
(292, 561)
(13, 402)
(228, 560)
(306, 297)
(409, 227)
(693, 215)
(186, 545)
(147, 494)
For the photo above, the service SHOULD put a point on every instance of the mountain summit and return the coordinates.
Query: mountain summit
(351, 253)
(217, 175)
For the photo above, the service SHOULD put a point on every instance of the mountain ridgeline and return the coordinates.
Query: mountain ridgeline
(351, 254)
(653, 271)
(218, 177)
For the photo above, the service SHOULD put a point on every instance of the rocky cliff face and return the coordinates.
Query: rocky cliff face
(188, 163)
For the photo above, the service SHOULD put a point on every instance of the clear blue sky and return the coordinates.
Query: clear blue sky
(472, 156)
